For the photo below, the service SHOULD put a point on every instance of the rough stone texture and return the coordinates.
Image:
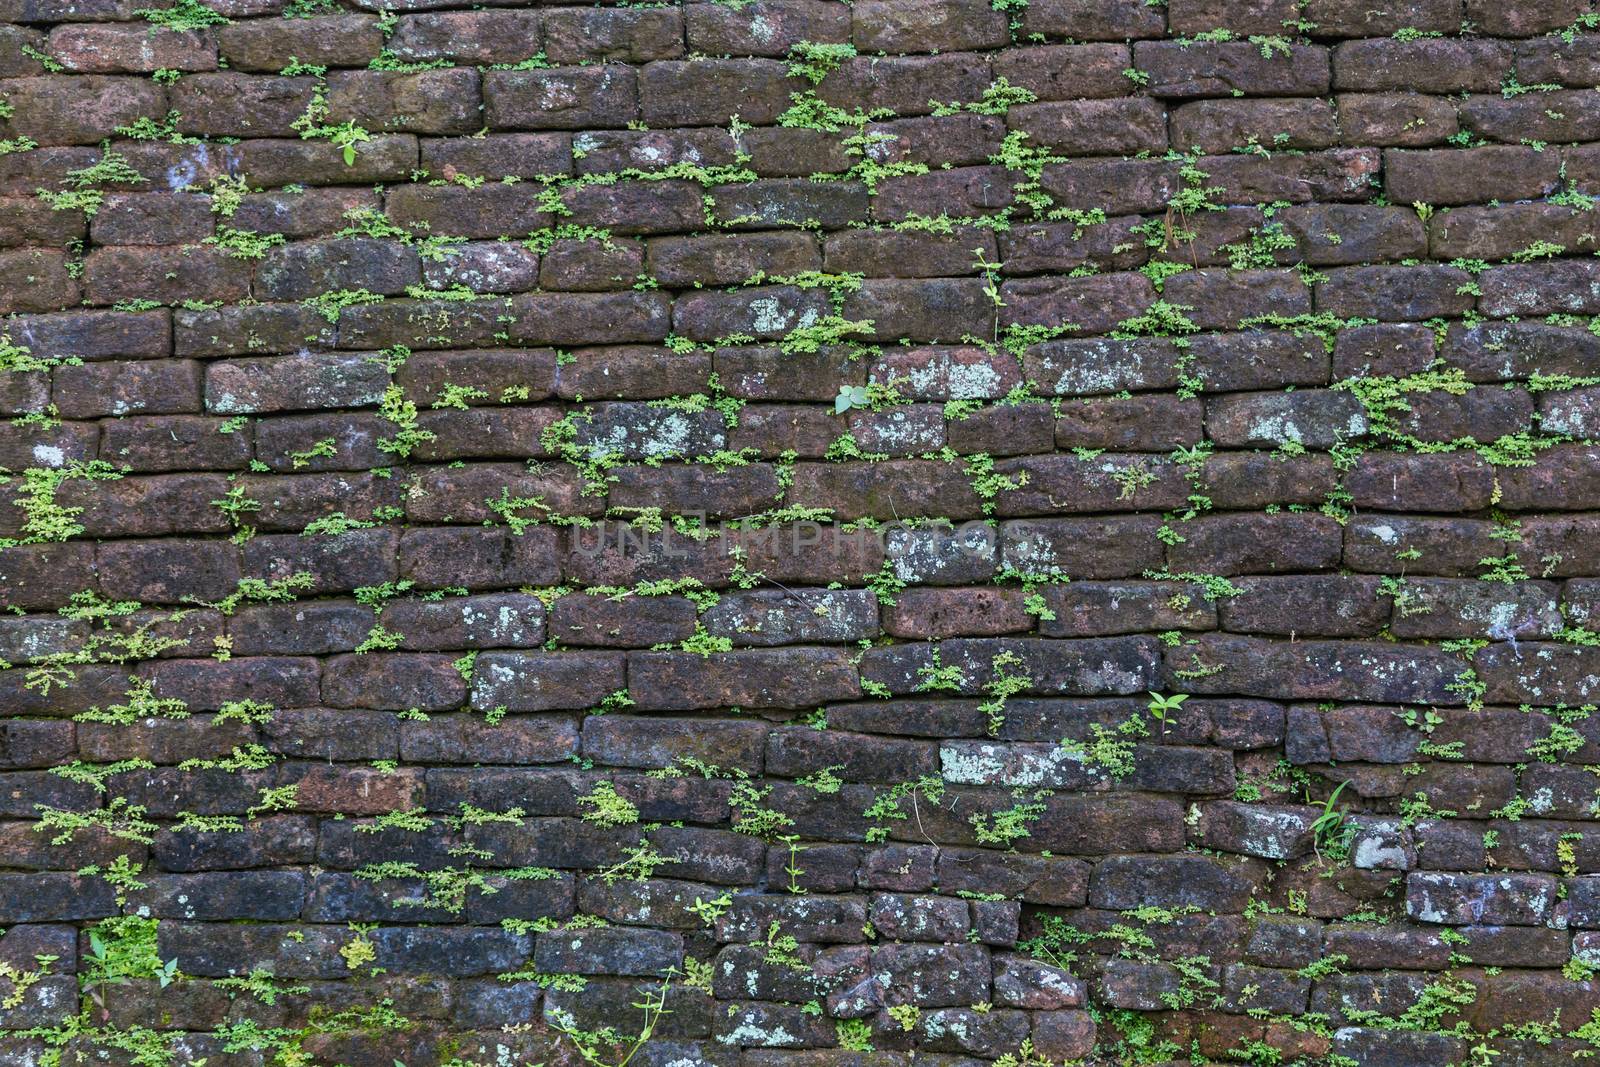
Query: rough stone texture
(917, 531)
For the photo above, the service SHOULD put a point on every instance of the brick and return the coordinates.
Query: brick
(1444, 546)
(227, 104)
(793, 617)
(1538, 673)
(636, 207)
(393, 682)
(1534, 19)
(429, 101)
(1115, 186)
(1441, 484)
(1353, 18)
(757, 678)
(719, 260)
(543, 681)
(586, 267)
(165, 275)
(302, 270)
(14, 62)
(1067, 246)
(932, 311)
(1310, 418)
(927, 26)
(54, 897)
(638, 431)
(497, 156)
(604, 151)
(206, 684)
(708, 92)
(484, 558)
(1093, 19)
(1437, 176)
(24, 222)
(608, 951)
(579, 318)
(1560, 115)
(126, 387)
(488, 212)
(1093, 609)
(1536, 287)
(1307, 605)
(328, 40)
(105, 49)
(325, 733)
(61, 110)
(662, 742)
(797, 751)
(613, 35)
(562, 98)
(1320, 669)
(151, 219)
(1400, 120)
(1094, 127)
(1081, 548)
(1397, 350)
(167, 571)
(1095, 305)
(1176, 881)
(1253, 16)
(492, 620)
(1554, 60)
(1222, 125)
(293, 383)
(1516, 900)
(764, 28)
(1500, 232)
(467, 37)
(980, 191)
(1048, 485)
(384, 158)
(905, 85)
(1224, 300)
(1428, 65)
(1066, 72)
(1218, 69)
(939, 613)
(43, 283)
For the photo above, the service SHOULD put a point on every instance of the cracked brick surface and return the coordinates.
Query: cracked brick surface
(793, 533)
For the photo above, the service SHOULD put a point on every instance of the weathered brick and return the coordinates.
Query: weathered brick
(764, 28)
(467, 37)
(1400, 120)
(1218, 69)
(1467, 176)
(63, 110)
(1319, 669)
(534, 681)
(613, 35)
(562, 98)
(166, 275)
(110, 49)
(1093, 19)
(927, 26)
(1094, 127)
(1515, 899)
(328, 40)
(758, 678)
(293, 383)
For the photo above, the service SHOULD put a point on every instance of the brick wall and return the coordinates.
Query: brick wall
(773, 532)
